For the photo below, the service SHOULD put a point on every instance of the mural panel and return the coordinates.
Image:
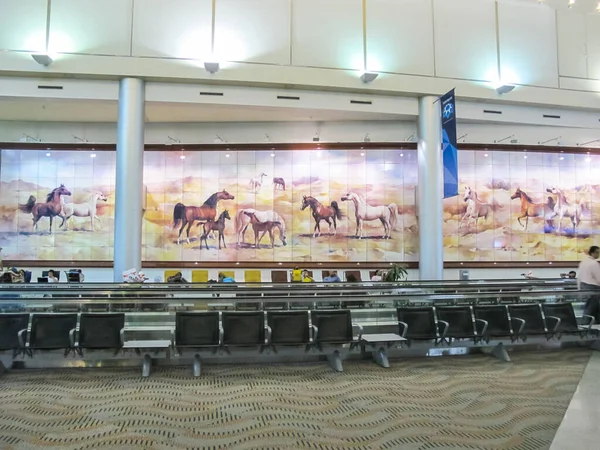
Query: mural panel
(265, 206)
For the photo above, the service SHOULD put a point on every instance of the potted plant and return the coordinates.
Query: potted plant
(395, 273)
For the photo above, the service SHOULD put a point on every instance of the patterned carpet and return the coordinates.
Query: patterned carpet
(470, 402)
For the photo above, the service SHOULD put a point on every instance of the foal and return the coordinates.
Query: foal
(219, 226)
(265, 227)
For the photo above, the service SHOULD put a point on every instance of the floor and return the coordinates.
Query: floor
(463, 402)
(579, 428)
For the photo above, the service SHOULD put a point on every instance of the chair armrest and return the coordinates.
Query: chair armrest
(20, 337)
(404, 328)
(446, 326)
(592, 320)
(221, 334)
(268, 334)
(122, 336)
(557, 322)
(315, 333)
(72, 337)
(518, 319)
(485, 325)
(360, 330)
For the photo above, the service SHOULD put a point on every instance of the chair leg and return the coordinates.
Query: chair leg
(197, 365)
(335, 361)
(147, 362)
(381, 358)
(500, 352)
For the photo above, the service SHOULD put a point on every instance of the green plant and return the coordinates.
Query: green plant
(395, 273)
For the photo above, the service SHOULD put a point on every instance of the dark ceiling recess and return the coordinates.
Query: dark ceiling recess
(287, 97)
(47, 86)
(491, 111)
(214, 94)
(361, 102)
(551, 116)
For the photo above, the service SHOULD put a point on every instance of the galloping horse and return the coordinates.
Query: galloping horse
(387, 214)
(256, 182)
(242, 221)
(277, 181)
(50, 209)
(475, 207)
(265, 227)
(187, 215)
(82, 210)
(529, 208)
(219, 226)
(322, 212)
(563, 208)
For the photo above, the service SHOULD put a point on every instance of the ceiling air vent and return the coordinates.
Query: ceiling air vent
(214, 94)
(361, 102)
(287, 97)
(491, 111)
(551, 116)
(47, 86)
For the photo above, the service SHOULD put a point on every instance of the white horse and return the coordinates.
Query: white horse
(563, 208)
(387, 214)
(242, 221)
(475, 207)
(82, 210)
(256, 182)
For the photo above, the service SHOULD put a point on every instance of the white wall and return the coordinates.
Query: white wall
(421, 46)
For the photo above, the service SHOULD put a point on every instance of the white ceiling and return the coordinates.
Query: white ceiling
(47, 110)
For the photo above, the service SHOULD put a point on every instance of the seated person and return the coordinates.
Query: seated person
(225, 279)
(52, 277)
(306, 278)
(378, 276)
(177, 278)
(332, 277)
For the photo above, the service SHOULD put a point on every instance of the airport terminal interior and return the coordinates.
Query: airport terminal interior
(299, 224)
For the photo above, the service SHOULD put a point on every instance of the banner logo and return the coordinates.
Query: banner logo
(449, 150)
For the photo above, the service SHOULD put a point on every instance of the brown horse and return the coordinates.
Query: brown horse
(187, 215)
(529, 208)
(265, 227)
(219, 226)
(322, 212)
(50, 209)
(279, 182)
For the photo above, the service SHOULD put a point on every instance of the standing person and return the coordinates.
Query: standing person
(296, 275)
(589, 279)
(52, 278)
(332, 277)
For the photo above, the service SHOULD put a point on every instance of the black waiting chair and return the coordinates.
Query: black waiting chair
(458, 322)
(52, 332)
(13, 331)
(287, 328)
(197, 330)
(101, 331)
(527, 320)
(417, 324)
(333, 327)
(243, 329)
(495, 322)
(561, 319)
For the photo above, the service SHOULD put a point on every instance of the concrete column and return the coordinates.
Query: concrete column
(129, 179)
(430, 189)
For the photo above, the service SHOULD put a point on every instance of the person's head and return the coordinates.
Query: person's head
(51, 274)
(296, 268)
(221, 276)
(333, 273)
(305, 273)
(594, 251)
(351, 278)
(572, 274)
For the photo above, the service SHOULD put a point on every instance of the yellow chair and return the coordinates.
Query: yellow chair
(199, 276)
(252, 276)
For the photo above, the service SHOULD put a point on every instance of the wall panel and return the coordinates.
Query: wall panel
(571, 44)
(400, 36)
(465, 39)
(177, 28)
(91, 26)
(593, 45)
(23, 25)
(253, 30)
(327, 33)
(528, 53)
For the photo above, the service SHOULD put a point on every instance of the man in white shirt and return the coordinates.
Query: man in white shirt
(589, 279)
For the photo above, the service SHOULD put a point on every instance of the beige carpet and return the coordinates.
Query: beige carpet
(470, 402)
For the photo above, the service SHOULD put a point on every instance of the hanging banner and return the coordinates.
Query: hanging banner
(449, 151)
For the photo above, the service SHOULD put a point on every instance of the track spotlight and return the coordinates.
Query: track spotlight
(42, 59)
(505, 89)
(367, 77)
(211, 67)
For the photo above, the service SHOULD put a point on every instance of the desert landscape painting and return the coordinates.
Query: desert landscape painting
(299, 205)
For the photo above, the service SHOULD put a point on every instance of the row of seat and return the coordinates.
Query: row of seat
(443, 324)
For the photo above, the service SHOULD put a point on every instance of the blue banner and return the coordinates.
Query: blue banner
(449, 151)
